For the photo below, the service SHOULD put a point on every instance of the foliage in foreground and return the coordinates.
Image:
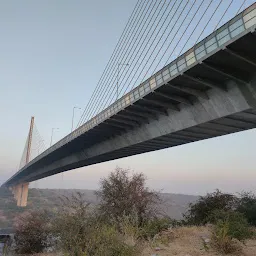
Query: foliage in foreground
(122, 194)
(202, 211)
(127, 217)
(81, 231)
(32, 232)
(247, 206)
(230, 228)
(199, 212)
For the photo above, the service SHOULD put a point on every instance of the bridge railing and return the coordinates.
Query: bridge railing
(238, 26)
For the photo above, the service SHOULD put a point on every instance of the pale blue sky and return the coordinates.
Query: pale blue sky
(52, 54)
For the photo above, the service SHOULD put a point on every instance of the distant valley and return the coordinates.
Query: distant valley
(173, 205)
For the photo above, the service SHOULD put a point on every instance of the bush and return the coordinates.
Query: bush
(247, 206)
(199, 212)
(105, 240)
(121, 194)
(130, 229)
(155, 226)
(72, 224)
(32, 232)
(81, 231)
(229, 227)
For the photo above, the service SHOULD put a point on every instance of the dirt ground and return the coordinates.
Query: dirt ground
(188, 241)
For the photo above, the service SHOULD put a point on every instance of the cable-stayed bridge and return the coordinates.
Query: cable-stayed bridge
(208, 91)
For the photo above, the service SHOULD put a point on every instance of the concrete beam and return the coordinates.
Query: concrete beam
(174, 97)
(116, 125)
(241, 57)
(191, 91)
(118, 120)
(162, 104)
(139, 119)
(223, 73)
(151, 109)
(144, 114)
(206, 82)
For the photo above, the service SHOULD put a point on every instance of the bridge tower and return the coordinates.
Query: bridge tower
(20, 191)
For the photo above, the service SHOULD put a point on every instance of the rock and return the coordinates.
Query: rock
(207, 240)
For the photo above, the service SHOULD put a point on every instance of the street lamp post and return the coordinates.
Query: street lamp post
(117, 78)
(52, 134)
(73, 117)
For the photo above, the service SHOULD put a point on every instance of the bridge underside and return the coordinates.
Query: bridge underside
(213, 98)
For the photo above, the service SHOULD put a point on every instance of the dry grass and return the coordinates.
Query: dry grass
(187, 241)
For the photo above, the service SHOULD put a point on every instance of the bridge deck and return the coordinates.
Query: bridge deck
(227, 55)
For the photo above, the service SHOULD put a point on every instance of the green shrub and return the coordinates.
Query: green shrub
(229, 227)
(123, 194)
(32, 232)
(247, 206)
(107, 241)
(130, 228)
(154, 226)
(83, 232)
(199, 212)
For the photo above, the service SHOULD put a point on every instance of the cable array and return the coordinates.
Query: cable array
(37, 147)
(157, 32)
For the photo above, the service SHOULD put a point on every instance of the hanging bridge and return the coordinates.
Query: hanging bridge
(208, 91)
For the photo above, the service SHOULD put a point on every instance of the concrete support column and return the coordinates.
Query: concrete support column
(15, 191)
(20, 193)
(24, 195)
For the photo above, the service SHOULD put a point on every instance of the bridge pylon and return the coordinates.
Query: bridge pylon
(20, 191)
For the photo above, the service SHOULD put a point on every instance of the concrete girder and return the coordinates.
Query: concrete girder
(178, 140)
(223, 73)
(237, 99)
(159, 143)
(150, 146)
(246, 115)
(201, 135)
(206, 82)
(240, 56)
(147, 114)
(215, 126)
(118, 120)
(183, 137)
(139, 119)
(238, 121)
(191, 91)
(162, 104)
(124, 127)
(174, 97)
(151, 109)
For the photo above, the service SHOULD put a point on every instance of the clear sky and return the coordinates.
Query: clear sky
(52, 54)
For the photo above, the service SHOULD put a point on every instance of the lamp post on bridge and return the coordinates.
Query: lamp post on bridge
(73, 117)
(53, 129)
(117, 77)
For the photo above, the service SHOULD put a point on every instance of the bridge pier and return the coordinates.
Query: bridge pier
(20, 193)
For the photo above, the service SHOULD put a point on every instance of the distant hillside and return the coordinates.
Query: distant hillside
(174, 205)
